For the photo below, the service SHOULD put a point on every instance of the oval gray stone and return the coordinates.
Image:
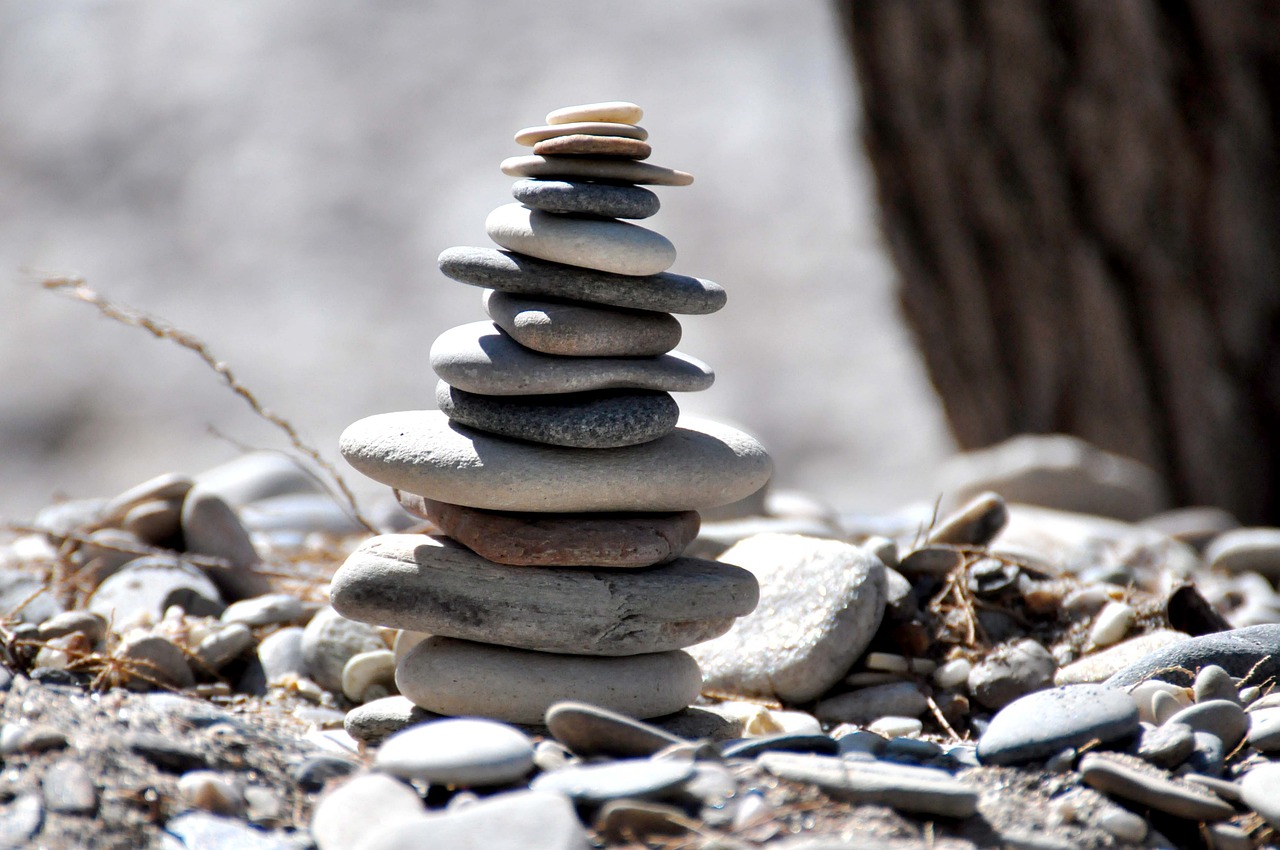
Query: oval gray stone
(1041, 724)
(379, 718)
(588, 168)
(328, 643)
(607, 245)
(1243, 652)
(700, 464)
(511, 272)
(530, 136)
(1113, 775)
(433, 585)
(211, 527)
(582, 330)
(604, 419)
(481, 358)
(280, 654)
(906, 787)
(458, 751)
(1220, 717)
(456, 677)
(589, 730)
(342, 816)
(576, 197)
(150, 585)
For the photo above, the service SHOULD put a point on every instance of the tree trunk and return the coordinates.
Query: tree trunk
(1082, 198)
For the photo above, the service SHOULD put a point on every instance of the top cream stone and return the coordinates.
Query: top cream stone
(615, 111)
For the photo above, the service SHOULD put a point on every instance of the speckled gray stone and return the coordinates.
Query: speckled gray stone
(604, 419)
(1238, 651)
(608, 245)
(579, 198)
(375, 720)
(582, 330)
(479, 357)
(589, 168)
(511, 272)
(1041, 724)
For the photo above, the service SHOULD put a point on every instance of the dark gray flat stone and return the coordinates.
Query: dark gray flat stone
(1239, 651)
(511, 272)
(1046, 722)
(635, 778)
(589, 730)
(787, 742)
(598, 199)
(602, 419)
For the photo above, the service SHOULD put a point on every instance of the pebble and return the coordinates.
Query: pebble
(702, 463)
(68, 788)
(1225, 836)
(625, 821)
(614, 111)
(953, 673)
(913, 789)
(1241, 652)
(20, 820)
(220, 647)
(329, 641)
(1164, 705)
(458, 751)
(821, 602)
(254, 476)
(105, 551)
(148, 586)
(500, 822)
(376, 719)
(583, 168)
(151, 661)
(1043, 723)
(1208, 756)
(1115, 776)
(578, 198)
(1264, 730)
(1111, 624)
(208, 790)
(263, 807)
(903, 699)
(1220, 717)
(175, 756)
(454, 677)
(316, 772)
(1260, 791)
(606, 245)
(265, 610)
(369, 675)
(1167, 745)
(157, 523)
(593, 784)
(1011, 671)
(280, 654)
(1098, 666)
(582, 330)
(431, 584)
(892, 663)
(1143, 695)
(341, 820)
(513, 272)
(1246, 550)
(211, 527)
(590, 731)
(530, 136)
(164, 487)
(786, 742)
(896, 727)
(1212, 682)
(92, 626)
(1124, 825)
(562, 540)
(27, 596)
(860, 741)
(975, 523)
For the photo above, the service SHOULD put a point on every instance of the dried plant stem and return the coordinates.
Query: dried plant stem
(76, 288)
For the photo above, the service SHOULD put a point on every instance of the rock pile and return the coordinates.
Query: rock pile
(558, 467)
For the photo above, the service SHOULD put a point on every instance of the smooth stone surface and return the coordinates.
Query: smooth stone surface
(1113, 775)
(369, 675)
(1241, 652)
(20, 819)
(585, 168)
(603, 419)
(454, 677)
(68, 788)
(265, 610)
(577, 198)
(1264, 730)
(1011, 671)
(974, 523)
(203, 831)
(1046, 722)
(1098, 666)
(913, 789)
(1260, 791)
(211, 527)
(511, 272)
(1208, 756)
(501, 822)
(584, 145)
(458, 751)
(867, 705)
(169, 485)
(431, 584)
(328, 643)
(481, 358)
(561, 540)
(589, 731)
(280, 654)
(341, 817)
(157, 522)
(151, 662)
(530, 136)
(582, 330)
(220, 647)
(1220, 717)
(374, 721)
(821, 602)
(1246, 550)
(1167, 745)
(1213, 682)
(606, 245)
(700, 464)
(255, 476)
(619, 111)
(149, 585)
(643, 779)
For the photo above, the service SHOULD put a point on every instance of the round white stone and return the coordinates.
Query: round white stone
(458, 751)
(605, 244)
(615, 111)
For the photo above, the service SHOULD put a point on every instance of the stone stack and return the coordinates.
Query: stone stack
(558, 466)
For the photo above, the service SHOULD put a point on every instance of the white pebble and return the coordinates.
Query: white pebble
(953, 673)
(891, 663)
(896, 727)
(1111, 624)
(1126, 826)
(367, 670)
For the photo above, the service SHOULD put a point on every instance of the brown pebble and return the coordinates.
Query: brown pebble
(583, 145)
(976, 523)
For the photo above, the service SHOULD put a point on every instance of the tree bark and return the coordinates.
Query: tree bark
(1082, 198)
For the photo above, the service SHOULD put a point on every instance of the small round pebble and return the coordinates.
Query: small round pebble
(893, 727)
(1212, 682)
(342, 816)
(458, 751)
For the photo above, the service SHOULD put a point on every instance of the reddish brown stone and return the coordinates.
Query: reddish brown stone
(582, 145)
(561, 540)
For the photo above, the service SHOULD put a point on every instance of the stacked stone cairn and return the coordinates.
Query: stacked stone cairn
(558, 467)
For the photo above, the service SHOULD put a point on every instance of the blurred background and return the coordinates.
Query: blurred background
(278, 178)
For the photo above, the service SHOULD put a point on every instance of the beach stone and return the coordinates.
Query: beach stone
(432, 584)
(207, 790)
(165, 487)
(786, 742)
(1260, 791)
(92, 626)
(105, 551)
(562, 540)
(265, 610)
(211, 527)
(68, 788)
(530, 136)
(821, 602)
(374, 721)
(157, 522)
(700, 464)
(481, 358)
(624, 821)
(1098, 666)
(921, 790)
(150, 585)
(1212, 682)
(590, 731)
(578, 198)
(867, 705)
(1195, 526)
(974, 523)
(31, 592)
(1208, 756)
(600, 419)
(254, 476)
(582, 330)
(369, 675)
(205, 831)
(592, 784)
(584, 145)
(511, 272)
(328, 643)
(1220, 717)
(512, 821)
(1241, 652)
(1112, 623)
(606, 245)
(1167, 745)
(454, 677)
(1011, 671)
(584, 168)
(620, 111)
(221, 646)
(1043, 723)
(281, 654)
(153, 662)
(1264, 730)
(343, 815)
(1127, 779)
(20, 819)
(1246, 550)
(458, 751)
(314, 773)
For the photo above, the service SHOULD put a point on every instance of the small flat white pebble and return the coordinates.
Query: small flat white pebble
(458, 751)
(892, 727)
(1112, 623)
(953, 673)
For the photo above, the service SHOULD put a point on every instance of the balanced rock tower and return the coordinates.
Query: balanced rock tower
(558, 466)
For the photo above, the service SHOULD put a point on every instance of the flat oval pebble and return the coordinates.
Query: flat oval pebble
(1220, 717)
(1097, 666)
(432, 584)
(1243, 652)
(530, 136)
(866, 705)
(1041, 724)
(584, 168)
(1246, 550)
(561, 540)
(589, 730)
(584, 145)
(456, 677)
(479, 357)
(599, 419)
(582, 330)
(458, 751)
(1167, 745)
(700, 464)
(374, 721)
(621, 111)
(913, 789)
(510, 272)
(1260, 791)
(603, 244)
(1155, 789)
(643, 779)
(786, 742)
(599, 199)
